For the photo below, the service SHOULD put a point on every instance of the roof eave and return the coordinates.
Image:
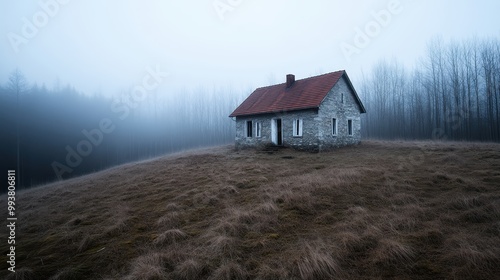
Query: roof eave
(273, 112)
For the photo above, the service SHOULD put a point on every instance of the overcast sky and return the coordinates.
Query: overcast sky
(105, 46)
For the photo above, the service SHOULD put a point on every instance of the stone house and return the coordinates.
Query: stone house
(315, 114)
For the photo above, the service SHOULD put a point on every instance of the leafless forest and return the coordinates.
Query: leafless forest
(452, 93)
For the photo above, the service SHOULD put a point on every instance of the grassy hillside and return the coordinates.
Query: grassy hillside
(419, 210)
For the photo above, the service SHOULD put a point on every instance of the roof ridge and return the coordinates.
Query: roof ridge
(310, 77)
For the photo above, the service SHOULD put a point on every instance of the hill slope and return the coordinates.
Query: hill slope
(419, 210)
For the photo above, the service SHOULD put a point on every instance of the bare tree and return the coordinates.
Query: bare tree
(18, 84)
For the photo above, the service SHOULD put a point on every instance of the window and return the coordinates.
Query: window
(334, 126)
(342, 98)
(249, 128)
(297, 128)
(349, 127)
(258, 129)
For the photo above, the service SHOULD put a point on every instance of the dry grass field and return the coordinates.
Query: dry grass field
(401, 210)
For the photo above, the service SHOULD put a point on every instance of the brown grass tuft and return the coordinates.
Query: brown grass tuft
(119, 222)
(172, 207)
(272, 271)
(268, 207)
(190, 269)
(170, 236)
(297, 200)
(315, 261)
(242, 216)
(227, 191)
(221, 245)
(348, 240)
(229, 227)
(465, 203)
(169, 220)
(392, 252)
(147, 267)
(229, 271)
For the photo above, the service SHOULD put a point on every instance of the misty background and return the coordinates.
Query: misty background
(88, 85)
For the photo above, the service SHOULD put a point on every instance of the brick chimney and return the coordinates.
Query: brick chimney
(290, 79)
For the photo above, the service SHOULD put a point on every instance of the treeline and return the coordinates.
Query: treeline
(64, 133)
(453, 93)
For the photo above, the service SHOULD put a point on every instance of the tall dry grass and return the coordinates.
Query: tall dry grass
(419, 210)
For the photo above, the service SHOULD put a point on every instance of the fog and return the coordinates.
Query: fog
(63, 133)
(104, 47)
(86, 85)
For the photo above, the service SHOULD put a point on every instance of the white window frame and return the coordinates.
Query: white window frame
(258, 129)
(350, 131)
(335, 129)
(246, 128)
(297, 132)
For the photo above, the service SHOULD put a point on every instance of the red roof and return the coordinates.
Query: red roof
(303, 94)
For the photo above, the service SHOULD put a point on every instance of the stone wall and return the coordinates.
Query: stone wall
(333, 107)
(242, 141)
(308, 140)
